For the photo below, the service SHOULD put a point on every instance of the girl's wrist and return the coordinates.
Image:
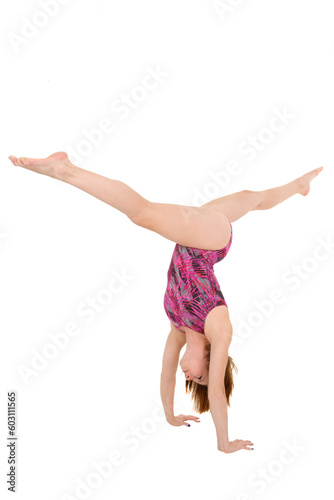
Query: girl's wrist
(223, 446)
(169, 415)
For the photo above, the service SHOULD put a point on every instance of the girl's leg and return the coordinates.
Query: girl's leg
(204, 227)
(236, 205)
(190, 226)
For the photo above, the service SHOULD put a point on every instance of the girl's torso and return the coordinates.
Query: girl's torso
(192, 287)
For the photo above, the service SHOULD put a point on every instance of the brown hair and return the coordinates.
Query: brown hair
(199, 393)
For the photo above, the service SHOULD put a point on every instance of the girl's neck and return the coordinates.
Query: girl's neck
(195, 339)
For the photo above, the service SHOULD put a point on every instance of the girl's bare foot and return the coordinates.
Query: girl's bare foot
(305, 180)
(55, 165)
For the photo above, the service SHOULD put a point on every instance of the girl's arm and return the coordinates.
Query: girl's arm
(220, 342)
(216, 390)
(167, 387)
(175, 342)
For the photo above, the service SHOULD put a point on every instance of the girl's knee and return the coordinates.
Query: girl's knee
(144, 216)
(254, 198)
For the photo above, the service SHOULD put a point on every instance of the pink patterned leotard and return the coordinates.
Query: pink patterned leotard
(192, 287)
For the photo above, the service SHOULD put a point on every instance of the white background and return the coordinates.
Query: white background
(225, 74)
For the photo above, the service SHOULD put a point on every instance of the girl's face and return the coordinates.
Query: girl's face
(195, 366)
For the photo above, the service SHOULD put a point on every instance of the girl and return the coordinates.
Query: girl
(193, 300)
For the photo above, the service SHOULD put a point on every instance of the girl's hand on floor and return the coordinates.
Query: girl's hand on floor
(238, 444)
(181, 420)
